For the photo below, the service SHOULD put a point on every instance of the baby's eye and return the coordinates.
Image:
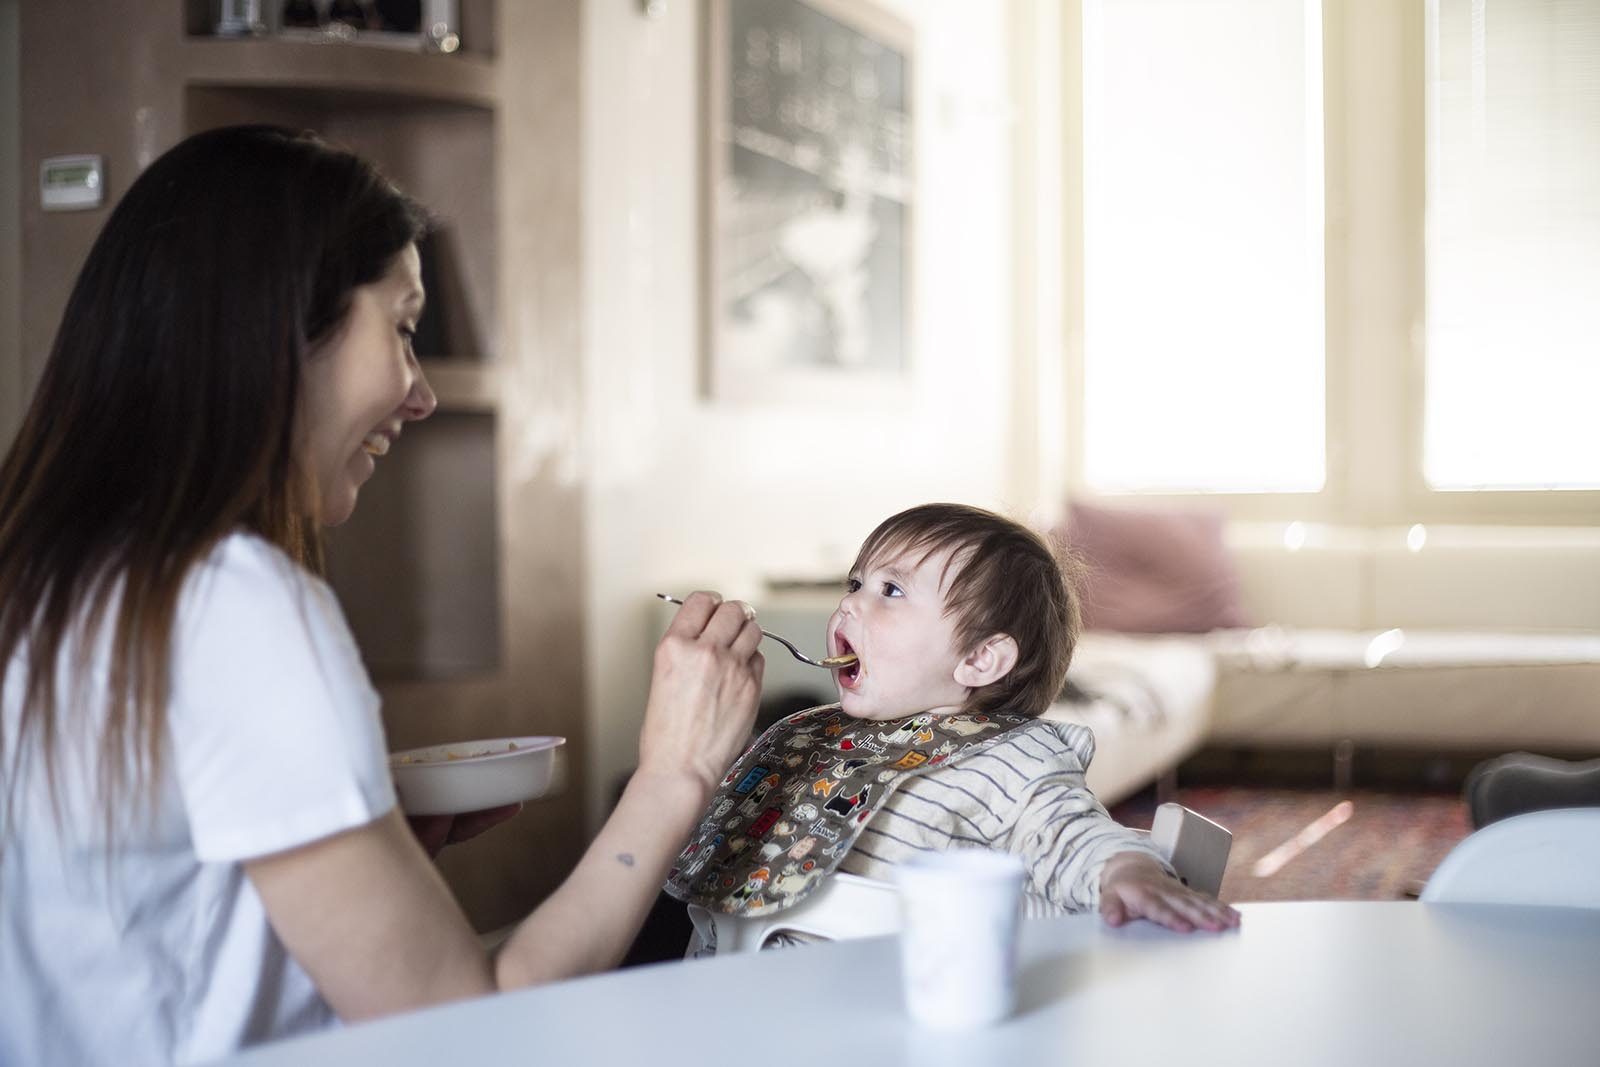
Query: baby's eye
(891, 589)
(852, 584)
(409, 335)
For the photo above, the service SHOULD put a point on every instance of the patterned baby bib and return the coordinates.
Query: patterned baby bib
(796, 801)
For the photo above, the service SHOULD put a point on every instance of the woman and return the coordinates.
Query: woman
(200, 845)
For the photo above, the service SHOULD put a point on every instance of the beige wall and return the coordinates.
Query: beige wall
(12, 399)
(684, 490)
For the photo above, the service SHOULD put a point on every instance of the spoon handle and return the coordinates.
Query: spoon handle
(827, 664)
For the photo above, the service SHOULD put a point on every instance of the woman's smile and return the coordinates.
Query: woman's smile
(364, 385)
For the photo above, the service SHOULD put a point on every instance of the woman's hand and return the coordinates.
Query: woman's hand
(436, 831)
(1134, 886)
(703, 692)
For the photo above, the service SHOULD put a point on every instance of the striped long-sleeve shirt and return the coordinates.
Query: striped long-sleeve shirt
(1024, 795)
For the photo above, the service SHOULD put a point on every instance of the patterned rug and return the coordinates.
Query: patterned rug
(1305, 844)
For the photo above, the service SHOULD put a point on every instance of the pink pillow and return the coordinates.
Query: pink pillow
(1154, 571)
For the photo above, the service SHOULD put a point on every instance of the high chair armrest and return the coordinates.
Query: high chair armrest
(1196, 847)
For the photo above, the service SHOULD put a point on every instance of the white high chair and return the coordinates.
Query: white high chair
(848, 906)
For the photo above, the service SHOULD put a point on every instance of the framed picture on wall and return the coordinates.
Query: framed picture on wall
(808, 200)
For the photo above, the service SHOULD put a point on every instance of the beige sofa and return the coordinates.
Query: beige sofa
(1471, 641)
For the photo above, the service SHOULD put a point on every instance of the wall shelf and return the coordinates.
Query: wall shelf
(352, 73)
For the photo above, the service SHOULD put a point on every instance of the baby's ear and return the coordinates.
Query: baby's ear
(989, 662)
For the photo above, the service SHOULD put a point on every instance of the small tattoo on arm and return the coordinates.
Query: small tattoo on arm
(625, 858)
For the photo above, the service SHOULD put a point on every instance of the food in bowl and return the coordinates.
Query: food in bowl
(407, 758)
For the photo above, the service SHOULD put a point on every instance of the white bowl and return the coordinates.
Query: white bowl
(473, 775)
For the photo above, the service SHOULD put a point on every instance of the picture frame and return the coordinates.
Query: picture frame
(808, 201)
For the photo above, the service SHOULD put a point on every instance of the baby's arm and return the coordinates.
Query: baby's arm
(1084, 859)
(1066, 839)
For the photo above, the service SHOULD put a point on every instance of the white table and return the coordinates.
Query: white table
(1346, 984)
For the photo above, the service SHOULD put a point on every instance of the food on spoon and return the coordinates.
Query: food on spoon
(845, 658)
(846, 662)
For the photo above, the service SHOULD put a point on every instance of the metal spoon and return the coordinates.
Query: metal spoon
(830, 663)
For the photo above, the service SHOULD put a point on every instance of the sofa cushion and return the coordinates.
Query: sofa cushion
(1467, 690)
(1152, 571)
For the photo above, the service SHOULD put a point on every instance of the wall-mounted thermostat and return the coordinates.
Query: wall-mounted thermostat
(71, 183)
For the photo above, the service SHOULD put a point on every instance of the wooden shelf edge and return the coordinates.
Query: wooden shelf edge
(463, 384)
(266, 63)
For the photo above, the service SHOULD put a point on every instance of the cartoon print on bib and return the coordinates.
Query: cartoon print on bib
(779, 825)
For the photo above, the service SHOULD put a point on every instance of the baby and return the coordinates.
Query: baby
(963, 624)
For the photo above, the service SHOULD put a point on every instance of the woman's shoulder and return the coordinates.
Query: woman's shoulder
(247, 557)
(247, 603)
(244, 571)
(249, 553)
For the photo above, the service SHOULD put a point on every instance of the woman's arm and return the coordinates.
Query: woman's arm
(373, 923)
(616, 882)
(371, 920)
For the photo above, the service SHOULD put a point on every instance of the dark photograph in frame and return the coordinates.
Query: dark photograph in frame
(808, 200)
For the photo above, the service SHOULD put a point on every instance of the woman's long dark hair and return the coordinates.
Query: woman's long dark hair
(165, 418)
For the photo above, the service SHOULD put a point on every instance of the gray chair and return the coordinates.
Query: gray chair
(1520, 782)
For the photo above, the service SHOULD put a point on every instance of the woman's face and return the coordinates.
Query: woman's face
(361, 386)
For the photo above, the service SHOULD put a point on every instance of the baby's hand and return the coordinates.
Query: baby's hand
(1134, 886)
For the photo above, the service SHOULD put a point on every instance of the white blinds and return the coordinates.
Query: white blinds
(1203, 245)
(1513, 245)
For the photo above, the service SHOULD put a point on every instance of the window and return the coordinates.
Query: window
(1430, 352)
(1513, 245)
(1203, 357)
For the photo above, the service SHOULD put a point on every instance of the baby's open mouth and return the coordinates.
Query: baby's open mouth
(375, 444)
(848, 673)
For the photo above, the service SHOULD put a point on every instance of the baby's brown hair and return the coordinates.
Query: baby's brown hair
(1007, 580)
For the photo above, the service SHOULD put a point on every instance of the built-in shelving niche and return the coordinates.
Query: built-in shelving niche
(417, 567)
(440, 153)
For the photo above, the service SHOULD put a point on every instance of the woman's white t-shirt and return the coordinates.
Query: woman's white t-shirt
(164, 954)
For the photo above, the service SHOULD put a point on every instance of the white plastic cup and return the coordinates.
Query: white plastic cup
(958, 943)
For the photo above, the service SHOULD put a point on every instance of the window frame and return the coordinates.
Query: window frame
(1375, 156)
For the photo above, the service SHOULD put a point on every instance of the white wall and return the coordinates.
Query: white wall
(12, 401)
(682, 489)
